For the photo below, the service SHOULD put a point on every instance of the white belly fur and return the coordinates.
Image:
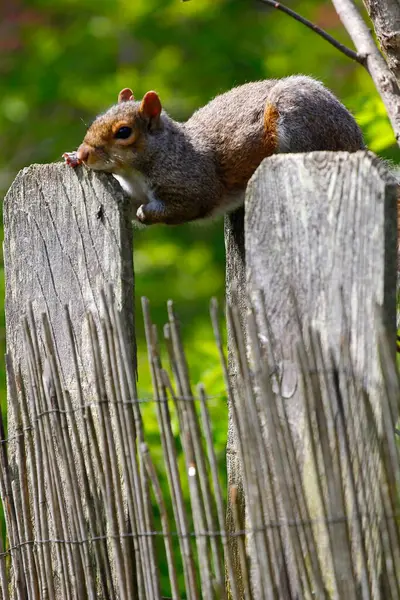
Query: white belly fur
(136, 186)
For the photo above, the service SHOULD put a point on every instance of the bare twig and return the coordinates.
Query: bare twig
(360, 58)
(113, 506)
(206, 421)
(367, 53)
(241, 544)
(171, 460)
(151, 470)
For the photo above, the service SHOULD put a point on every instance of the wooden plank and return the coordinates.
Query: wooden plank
(68, 234)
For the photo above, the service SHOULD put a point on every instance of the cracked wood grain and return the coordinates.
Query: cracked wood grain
(60, 250)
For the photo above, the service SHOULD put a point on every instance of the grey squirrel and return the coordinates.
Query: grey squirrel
(179, 172)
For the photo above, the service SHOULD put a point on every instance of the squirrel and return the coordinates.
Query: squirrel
(179, 172)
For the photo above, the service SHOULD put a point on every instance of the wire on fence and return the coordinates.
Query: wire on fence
(81, 489)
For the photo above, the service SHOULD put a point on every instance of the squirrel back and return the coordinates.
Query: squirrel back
(258, 119)
(182, 172)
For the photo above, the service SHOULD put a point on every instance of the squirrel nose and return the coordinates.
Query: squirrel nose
(83, 152)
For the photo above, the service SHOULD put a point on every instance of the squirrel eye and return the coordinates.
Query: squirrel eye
(123, 133)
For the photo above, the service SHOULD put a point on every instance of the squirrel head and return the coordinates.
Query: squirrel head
(116, 138)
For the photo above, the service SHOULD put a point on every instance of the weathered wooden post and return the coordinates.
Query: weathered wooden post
(68, 236)
(319, 228)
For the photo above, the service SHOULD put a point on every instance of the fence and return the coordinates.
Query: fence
(311, 380)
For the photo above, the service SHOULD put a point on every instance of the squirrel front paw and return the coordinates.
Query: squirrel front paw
(140, 214)
(71, 159)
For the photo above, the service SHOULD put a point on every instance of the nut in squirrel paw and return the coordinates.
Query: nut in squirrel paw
(71, 159)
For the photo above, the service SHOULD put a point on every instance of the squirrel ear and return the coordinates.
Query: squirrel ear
(125, 95)
(151, 106)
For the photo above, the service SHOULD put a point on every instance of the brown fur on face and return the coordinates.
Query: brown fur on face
(108, 153)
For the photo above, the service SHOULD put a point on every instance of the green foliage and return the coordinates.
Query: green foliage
(63, 62)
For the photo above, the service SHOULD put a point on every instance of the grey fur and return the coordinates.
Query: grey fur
(312, 118)
(192, 169)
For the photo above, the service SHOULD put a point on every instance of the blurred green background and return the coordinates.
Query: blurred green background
(63, 62)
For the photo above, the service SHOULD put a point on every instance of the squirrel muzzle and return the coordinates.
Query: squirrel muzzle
(84, 152)
(94, 157)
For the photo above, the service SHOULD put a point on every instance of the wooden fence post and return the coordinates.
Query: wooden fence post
(320, 228)
(68, 236)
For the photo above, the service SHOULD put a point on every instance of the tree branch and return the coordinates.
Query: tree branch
(383, 78)
(367, 54)
(385, 15)
(341, 47)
